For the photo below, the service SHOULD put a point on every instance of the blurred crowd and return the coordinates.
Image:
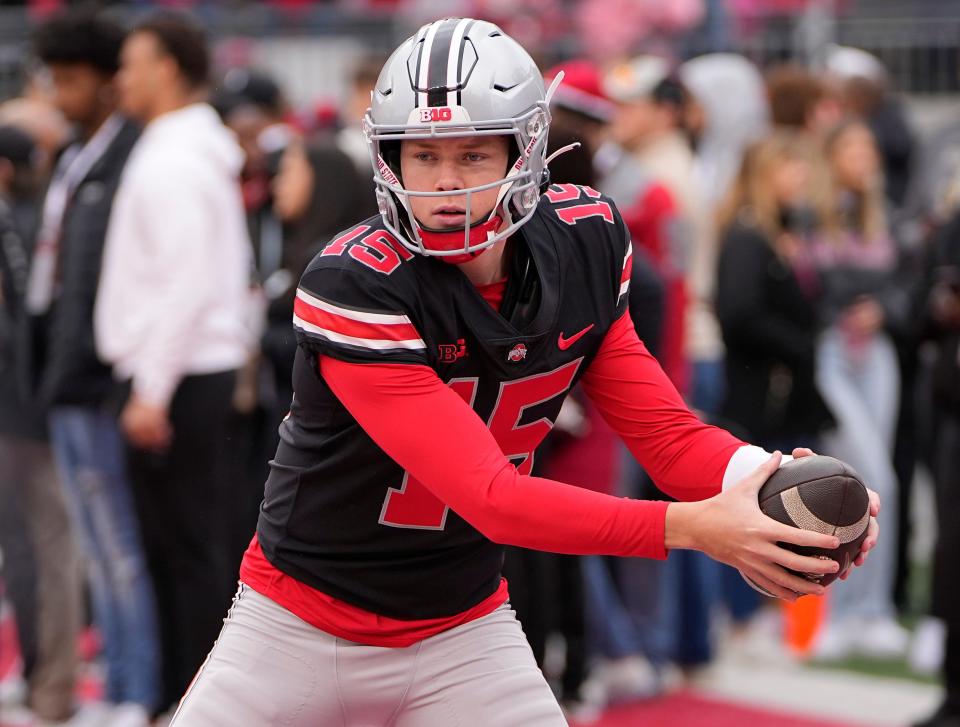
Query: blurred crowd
(797, 274)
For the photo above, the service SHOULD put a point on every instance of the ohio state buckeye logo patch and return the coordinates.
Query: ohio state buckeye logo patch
(517, 353)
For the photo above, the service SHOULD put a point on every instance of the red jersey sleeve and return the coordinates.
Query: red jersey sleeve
(686, 458)
(426, 428)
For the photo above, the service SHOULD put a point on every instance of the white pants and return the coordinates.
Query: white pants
(271, 668)
(862, 389)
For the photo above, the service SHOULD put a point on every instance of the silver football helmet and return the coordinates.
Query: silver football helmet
(459, 77)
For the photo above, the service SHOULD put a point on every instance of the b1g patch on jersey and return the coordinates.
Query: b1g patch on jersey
(452, 352)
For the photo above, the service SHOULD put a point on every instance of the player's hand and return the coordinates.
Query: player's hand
(732, 529)
(145, 425)
(873, 533)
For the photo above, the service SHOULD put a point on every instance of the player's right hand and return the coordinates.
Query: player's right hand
(731, 528)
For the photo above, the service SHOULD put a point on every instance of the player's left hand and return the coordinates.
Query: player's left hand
(873, 529)
(146, 425)
(873, 533)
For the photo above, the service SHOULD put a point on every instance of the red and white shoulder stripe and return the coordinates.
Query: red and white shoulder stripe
(376, 331)
(626, 271)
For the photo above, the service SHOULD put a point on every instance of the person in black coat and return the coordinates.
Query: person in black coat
(942, 319)
(81, 52)
(40, 570)
(764, 296)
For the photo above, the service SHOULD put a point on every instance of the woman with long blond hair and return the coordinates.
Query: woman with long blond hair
(860, 304)
(764, 305)
(764, 293)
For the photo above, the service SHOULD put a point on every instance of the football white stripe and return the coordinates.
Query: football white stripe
(453, 57)
(803, 517)
(629, 253)
(624, 287)
(425, 61)
(354, 315)
(374, 344)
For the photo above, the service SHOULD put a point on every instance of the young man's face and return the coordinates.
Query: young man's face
(80, 91)
(143, 71)
(438, 165)
(248, 122)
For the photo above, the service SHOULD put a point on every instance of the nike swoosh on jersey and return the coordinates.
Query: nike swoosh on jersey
(564, 343)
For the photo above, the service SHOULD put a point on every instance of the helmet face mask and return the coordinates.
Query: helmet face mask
(500, 92)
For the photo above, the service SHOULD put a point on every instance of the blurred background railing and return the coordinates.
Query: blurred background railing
(309, 45)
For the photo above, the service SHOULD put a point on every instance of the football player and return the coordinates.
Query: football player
(436, 344)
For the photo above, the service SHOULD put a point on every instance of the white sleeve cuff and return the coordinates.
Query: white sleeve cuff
(157, 387)
(744, 461)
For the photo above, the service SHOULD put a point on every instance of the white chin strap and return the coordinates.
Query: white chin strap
(561, 150)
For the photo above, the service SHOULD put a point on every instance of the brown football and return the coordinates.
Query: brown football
(825, 495)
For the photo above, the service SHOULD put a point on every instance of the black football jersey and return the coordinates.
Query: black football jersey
(338, 513)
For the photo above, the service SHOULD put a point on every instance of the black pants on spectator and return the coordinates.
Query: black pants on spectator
(905, 454)
(183, 499)
(946, 560)
(249, 467)
(951, 668)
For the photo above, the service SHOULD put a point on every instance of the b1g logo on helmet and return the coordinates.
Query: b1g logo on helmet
(517, 353)
(436, 113)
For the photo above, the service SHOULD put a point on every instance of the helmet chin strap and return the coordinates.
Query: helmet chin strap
(479, 233)
(561, 150)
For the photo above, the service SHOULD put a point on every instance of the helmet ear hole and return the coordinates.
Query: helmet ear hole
(390, 151)
(544, 180)
(513, 151)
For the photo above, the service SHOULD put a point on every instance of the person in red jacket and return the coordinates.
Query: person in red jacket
(436, 344)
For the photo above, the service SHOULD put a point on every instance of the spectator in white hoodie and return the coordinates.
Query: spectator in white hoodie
(171, 319)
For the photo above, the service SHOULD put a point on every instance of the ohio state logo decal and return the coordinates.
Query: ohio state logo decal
(517, 353)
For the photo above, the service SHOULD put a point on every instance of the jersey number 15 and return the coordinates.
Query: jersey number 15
(412, 505)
